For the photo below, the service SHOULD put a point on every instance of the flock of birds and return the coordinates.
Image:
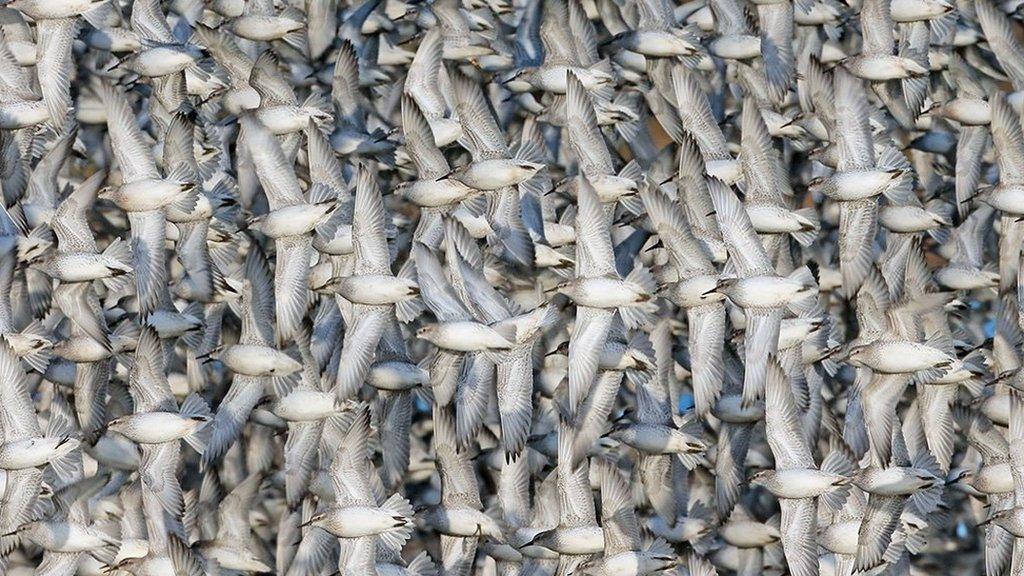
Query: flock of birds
(607, 287)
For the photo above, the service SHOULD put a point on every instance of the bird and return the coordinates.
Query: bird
(547, 287)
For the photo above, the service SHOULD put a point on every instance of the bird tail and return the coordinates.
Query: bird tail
(36, 242)
(122, 338)
(401, 510)
(807, 237)
(39, 357)
(639, 314)
(422, 565)
(319, 101)
(944, 210)
(195, 408)
(118, 250)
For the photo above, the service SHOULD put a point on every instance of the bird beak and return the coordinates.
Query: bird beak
(834, 350)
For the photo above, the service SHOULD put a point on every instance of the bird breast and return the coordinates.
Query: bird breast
(19, 114)
(163, 60)
(764, 292)
(467, 336)
(603, 292)
(494, 174)
(396, 375)
(801, 483)
(156, 427)
(359, 521)
(296, 220)
(259, 361)
(306, 405)
(34, 452)
(376, 289)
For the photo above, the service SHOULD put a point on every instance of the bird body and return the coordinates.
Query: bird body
(523, 288)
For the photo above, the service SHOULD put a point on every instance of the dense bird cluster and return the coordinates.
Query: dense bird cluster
(527, 287)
